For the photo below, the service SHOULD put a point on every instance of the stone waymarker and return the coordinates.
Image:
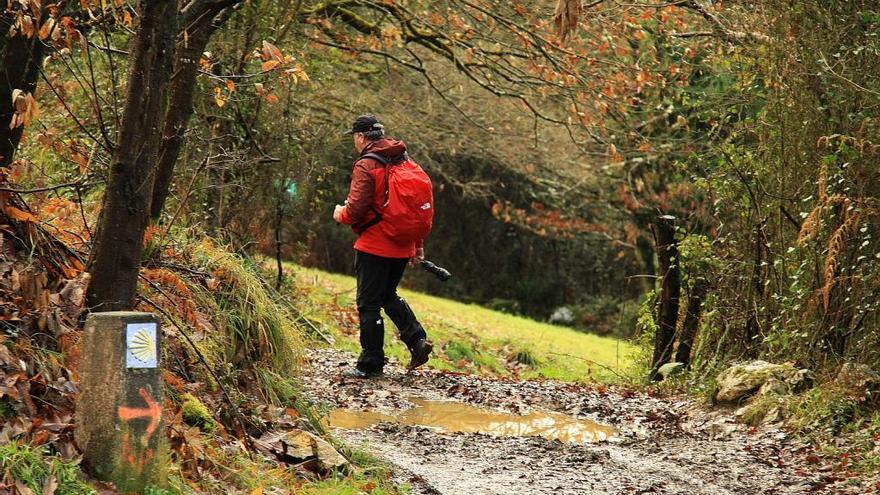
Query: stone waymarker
(119, 412)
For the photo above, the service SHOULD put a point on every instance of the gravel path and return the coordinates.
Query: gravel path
(663, 445)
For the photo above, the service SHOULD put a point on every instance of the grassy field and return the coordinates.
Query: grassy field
(471, 338)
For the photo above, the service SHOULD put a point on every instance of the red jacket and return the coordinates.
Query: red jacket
(368, 190)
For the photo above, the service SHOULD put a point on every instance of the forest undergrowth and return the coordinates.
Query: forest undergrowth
(233, 350)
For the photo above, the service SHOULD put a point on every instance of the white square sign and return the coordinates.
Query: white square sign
(141, 345)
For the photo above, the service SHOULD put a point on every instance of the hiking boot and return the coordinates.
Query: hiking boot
(363, 375)
(421, 350)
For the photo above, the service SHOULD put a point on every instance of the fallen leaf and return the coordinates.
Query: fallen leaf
(20, 215)
(22, 488)
(50, 485)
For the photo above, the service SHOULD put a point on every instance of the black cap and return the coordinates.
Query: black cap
(365, 123)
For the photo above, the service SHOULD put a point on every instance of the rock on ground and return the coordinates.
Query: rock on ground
(742, 380)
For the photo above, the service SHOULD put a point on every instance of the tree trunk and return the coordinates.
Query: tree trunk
(757, 292)
(190, 46)
(691, 323)
(126, 206)
(645, 254)
(20, 59)
(667, 314)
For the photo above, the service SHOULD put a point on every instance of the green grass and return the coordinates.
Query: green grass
(369, 476)
(34, 469)
(348, 486)
(471, 338)
(255, 330)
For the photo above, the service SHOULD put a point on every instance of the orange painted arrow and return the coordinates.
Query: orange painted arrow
(153, 411)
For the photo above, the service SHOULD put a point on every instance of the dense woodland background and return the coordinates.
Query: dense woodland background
(700, 174)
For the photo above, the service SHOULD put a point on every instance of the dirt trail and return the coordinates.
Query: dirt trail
(663, 446)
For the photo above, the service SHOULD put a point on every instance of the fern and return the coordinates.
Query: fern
(836, 247)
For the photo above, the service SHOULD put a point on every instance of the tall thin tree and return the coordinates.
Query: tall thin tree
(20, 56)
(125, 213)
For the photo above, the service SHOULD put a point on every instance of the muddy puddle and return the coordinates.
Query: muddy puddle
(456, 417)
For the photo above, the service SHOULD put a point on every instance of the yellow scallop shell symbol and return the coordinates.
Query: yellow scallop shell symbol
(143, 346)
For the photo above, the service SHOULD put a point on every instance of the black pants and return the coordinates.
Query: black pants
(377, 280)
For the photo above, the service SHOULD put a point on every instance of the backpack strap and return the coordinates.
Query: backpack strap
(373, 221)
(394, 160)
(378, 216)
(385, 163)
(376, 156)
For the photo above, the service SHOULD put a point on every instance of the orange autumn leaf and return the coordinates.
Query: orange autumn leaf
(20, 215)
(149, 233)
(47, 29)
(218, 97)
(26, 108)
(69, 272)
(82, 160)
(76, 264)
(271, 52)
(297, 74)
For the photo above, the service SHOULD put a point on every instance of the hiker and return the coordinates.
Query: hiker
(390, 207)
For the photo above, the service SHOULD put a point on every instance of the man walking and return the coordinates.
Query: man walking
(390, 206)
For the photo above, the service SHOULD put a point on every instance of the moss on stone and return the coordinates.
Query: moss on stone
(196, 414)
(761, 408)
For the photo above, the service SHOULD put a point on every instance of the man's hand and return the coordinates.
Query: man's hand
(337, 213)
(420, 255)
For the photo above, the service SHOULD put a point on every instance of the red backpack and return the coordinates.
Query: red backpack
(407, 213)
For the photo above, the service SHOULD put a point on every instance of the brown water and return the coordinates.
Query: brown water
(451, 417)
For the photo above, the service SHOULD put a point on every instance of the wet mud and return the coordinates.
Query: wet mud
(458, 417)
(436, 431)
